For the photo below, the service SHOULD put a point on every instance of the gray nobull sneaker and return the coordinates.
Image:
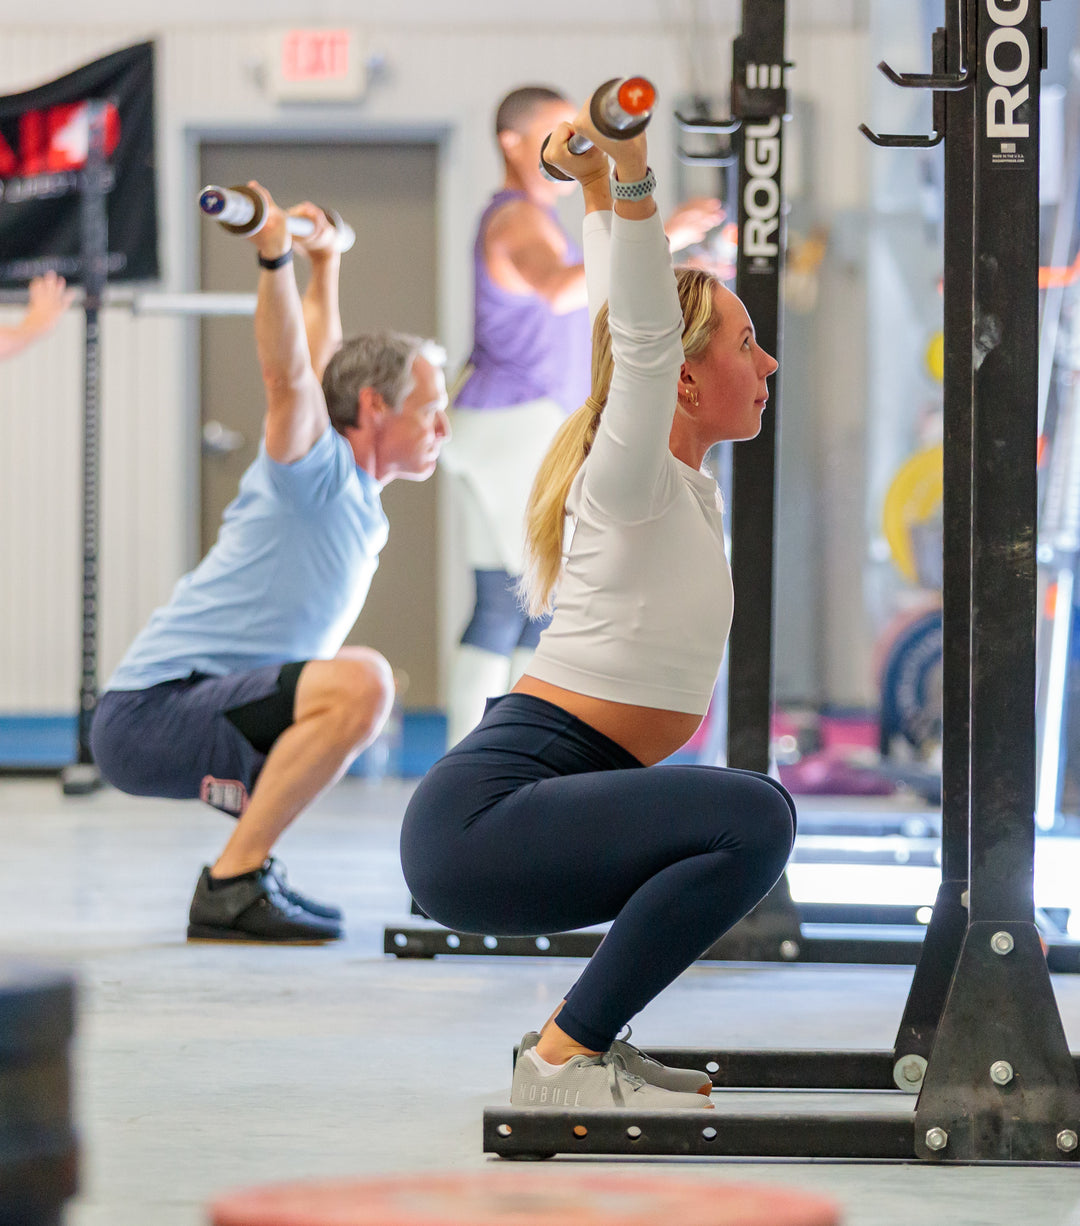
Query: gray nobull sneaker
(681, 1080)
(593, 1083)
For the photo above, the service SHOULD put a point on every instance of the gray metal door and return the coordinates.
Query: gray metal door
(387, 192)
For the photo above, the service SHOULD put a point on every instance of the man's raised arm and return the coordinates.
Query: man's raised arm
(322, 311)
(296, 413)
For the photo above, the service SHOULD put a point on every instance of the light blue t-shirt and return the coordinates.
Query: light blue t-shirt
(285, 579)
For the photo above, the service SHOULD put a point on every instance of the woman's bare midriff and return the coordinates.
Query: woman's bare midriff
(649, 733)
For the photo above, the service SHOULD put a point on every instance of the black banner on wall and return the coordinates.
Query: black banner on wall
(43, 145)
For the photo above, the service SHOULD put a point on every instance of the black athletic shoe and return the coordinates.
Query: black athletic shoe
(325, 910)
(253, 908)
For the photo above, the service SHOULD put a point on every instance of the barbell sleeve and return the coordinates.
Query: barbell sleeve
(241, 210)
(620, 109)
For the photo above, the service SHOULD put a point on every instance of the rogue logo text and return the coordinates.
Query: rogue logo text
(761, 195)
(1004, 98)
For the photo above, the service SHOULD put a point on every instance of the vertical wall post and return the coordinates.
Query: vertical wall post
(94, 258)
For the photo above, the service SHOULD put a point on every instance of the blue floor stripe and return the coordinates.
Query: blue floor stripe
(408, 746)
(39, 741)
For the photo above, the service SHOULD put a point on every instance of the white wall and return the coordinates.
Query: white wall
(439, 77)
(427, 16)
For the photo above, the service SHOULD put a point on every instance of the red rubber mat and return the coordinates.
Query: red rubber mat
(526, 1199)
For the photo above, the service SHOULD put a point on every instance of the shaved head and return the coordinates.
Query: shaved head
(519, 106)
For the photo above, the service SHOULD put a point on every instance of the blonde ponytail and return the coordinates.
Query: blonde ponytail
(545, 516)
(546, 513)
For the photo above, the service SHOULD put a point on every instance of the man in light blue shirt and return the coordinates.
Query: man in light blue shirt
(238, 691)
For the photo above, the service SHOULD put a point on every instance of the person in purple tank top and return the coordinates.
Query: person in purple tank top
(529, 368)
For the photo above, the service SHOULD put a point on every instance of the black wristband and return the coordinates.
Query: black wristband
(280, 262)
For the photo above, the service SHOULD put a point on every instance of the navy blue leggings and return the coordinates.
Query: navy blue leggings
(499, 624)
(537, 823)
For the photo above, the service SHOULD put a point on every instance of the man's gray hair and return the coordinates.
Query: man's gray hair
(381, 360)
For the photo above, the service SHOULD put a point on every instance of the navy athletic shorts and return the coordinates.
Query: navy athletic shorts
(195, 738)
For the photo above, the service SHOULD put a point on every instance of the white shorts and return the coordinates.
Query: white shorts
(492, 456)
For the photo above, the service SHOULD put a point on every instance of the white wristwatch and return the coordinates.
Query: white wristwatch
(634, 191)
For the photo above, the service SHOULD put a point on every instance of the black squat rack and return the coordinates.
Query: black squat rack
(981, 1041)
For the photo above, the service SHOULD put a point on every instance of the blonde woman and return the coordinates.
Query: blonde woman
(555, 813)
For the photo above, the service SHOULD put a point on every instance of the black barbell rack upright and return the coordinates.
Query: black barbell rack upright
(759, 103)
(955, 116)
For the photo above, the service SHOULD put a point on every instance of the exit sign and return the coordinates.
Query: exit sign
(312, 65)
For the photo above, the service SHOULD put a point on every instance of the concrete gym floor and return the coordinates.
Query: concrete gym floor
(201, 1068)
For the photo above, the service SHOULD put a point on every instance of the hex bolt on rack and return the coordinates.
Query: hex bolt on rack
(981, 1040)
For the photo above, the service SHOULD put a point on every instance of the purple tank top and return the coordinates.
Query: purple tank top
(522, 350)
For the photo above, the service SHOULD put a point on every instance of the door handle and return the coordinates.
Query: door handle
(218, 439)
